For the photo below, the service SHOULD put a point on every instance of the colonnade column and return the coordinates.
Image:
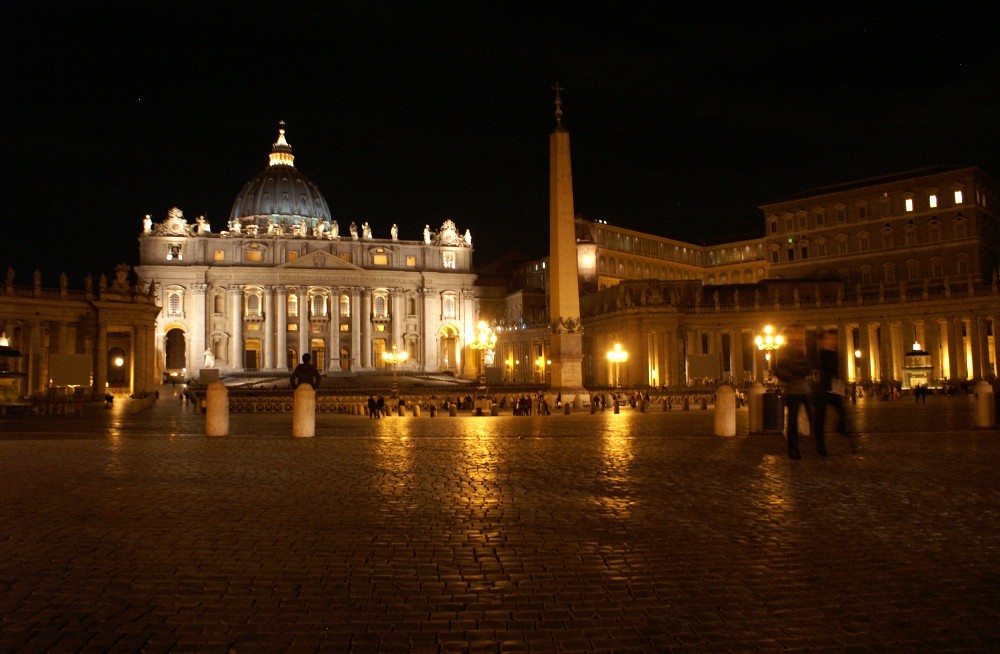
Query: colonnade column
(845, 343)
(897, 349)
(333, 342)
(236, 346)
(736, 356)
(281, 320)
(864, 335)
(101, 360)
(980, 349)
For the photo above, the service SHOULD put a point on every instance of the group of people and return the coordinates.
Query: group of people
(812, 387)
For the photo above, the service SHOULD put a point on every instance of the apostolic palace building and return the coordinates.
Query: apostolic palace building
(904, 267)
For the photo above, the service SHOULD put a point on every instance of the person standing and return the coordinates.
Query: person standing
(794, 372)
(305, 372)
(830, 392)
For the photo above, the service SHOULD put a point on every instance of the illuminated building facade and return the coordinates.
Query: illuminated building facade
(284, 278)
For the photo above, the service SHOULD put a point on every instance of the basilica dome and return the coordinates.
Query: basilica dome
(280, 193)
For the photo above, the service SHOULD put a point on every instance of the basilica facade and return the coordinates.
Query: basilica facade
(284, 278)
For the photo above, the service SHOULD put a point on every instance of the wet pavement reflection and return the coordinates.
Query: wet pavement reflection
(630, 532)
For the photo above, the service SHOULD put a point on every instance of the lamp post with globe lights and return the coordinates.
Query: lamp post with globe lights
(617, 355)
(768, 343)
(394, 358)
(484, 340)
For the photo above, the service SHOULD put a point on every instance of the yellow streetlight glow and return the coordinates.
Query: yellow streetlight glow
(618, 356)
(484, 339)
(394, 358)
(119, 362)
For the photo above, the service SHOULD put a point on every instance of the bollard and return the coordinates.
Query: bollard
(416, 410)
(985, 408)
(686, 405)
(304, 412)
(616, 406)
(755, 406)
(566, 408)
(704, 404)
(434, 410)
(401, 410)
(494, 409)
(725, 411)
(452, 410)
(217, 410)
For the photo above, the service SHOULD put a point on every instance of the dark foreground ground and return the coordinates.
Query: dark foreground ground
(583, 533)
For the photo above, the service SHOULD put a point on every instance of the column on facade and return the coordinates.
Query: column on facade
(356, 320)
(196, 311)
(267, 338)
(431, 312)
(333, 341)
(950, 347)
(397, 318)
(366, 335)
(653, 358)
(281, 329)
(674, 357)
(304, 311)
(236, 345)
(36, 382)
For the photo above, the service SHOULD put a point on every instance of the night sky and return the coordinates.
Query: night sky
(682, 122)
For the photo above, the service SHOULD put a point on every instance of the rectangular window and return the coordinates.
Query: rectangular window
(345, 256)
(411, 262)
(380, 327)
(932, 201)
(909, 205)
(253, 327)
(293, 327)
(380, 260)
(958, 197)
(862, 212)
(220, 255)
(255, 256)
(293, 255)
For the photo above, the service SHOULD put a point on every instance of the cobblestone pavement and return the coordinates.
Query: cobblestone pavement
(638, 532)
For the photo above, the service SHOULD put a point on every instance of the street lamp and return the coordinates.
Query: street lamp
(767, 343)
(483, 340)
(618, 356)
(394, 358)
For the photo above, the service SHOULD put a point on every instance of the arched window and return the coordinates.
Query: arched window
(345, 305)
(293, 305)
(380, 305)
(449, 306)
(318, 305)
(175, 303)
(253, 305)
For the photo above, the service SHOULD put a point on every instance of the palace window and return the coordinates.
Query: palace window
(842, 244)
(889, 273)
(293, 305)
(913, 270)
(345, 305)
(909, 205)
(937, 267)
(866, 274)
(219, 255)
(958, 196)
(862, 212)
(821, 248)
(888, 239)
(962, 264)
(961, 229)
(864, 243)
(411, 262)
(932, 201)
(318, 305)
(910, 235)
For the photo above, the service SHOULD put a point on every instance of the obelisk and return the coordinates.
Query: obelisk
(566, 337)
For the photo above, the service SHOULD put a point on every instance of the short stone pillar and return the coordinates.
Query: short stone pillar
(686, 405)
(217, 410)
(616, 407)
(452, 410)
(566, 408)
(304, 412)
(725, 411)
(985, 407)
(494, 409)
(401, 410)
(434, 410)
(755, 407)
(416, 410)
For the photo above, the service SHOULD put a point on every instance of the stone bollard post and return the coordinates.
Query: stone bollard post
(985, 408)
(434, 410)
(416, 410)
(304, 412)
(453, 410)
(616, 406)
(686, 405)
(217, 410)
(401, 410)
(755, 407)
(725, 411)
(494, 409)
(566, 408)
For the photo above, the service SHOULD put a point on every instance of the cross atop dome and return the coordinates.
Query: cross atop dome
(281, 151)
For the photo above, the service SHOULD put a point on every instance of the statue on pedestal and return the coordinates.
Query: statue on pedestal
(427, 234)
(209, 359)
(394, 232)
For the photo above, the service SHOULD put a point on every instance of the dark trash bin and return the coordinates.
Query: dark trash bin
(773, 412)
